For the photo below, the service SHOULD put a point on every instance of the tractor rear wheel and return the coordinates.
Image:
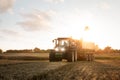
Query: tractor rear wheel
(52, 56)
(90, 57)
(72, 56)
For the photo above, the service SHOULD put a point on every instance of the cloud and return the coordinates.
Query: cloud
(6, 6)
(0, 20)
(36, 20)
(1, 37)
(104, 5)
(9, 32)
(55, 1)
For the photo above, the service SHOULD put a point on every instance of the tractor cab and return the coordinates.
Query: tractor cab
(64, 44)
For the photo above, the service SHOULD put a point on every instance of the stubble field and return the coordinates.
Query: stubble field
(100, 69)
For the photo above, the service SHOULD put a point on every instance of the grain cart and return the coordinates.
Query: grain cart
(69, 49)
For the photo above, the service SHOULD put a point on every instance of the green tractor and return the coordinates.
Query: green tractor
(69, 49)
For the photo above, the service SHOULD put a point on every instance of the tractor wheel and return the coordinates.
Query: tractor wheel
(59, 59)
(75, 56)
(52, 56)
(72, 56)
(90, 57)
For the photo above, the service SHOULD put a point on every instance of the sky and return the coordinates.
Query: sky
(26, 24)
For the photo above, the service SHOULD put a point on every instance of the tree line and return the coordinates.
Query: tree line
(107, 49)
(35, 50)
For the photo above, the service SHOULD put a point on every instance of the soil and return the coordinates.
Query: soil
(81, 70)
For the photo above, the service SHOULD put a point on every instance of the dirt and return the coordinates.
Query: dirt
(26, 70)
(82, 70)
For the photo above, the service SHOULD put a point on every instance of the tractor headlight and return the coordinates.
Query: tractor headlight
(62, 49)
(56, 49)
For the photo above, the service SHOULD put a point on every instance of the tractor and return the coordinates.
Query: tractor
(69, 49)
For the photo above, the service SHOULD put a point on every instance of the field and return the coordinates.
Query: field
(24, 56)
(105, 67)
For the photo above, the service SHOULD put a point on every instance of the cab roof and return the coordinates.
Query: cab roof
(63, 38)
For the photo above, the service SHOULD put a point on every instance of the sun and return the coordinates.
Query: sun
(80, 26)
(74, 26)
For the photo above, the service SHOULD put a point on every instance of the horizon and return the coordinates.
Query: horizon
(26, 24)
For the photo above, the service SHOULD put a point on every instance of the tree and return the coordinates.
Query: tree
(36, 50)
(1, 51)
(19, 51)
(107, 49)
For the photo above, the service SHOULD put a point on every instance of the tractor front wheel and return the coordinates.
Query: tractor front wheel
(52, 56)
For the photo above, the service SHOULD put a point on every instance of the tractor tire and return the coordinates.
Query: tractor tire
(72, 56)
(90, 57)
(75, 56)
(58, 59)
(52, 57)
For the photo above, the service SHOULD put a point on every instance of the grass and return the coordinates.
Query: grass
(45, 56)
(25, 56)
(107, 56)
